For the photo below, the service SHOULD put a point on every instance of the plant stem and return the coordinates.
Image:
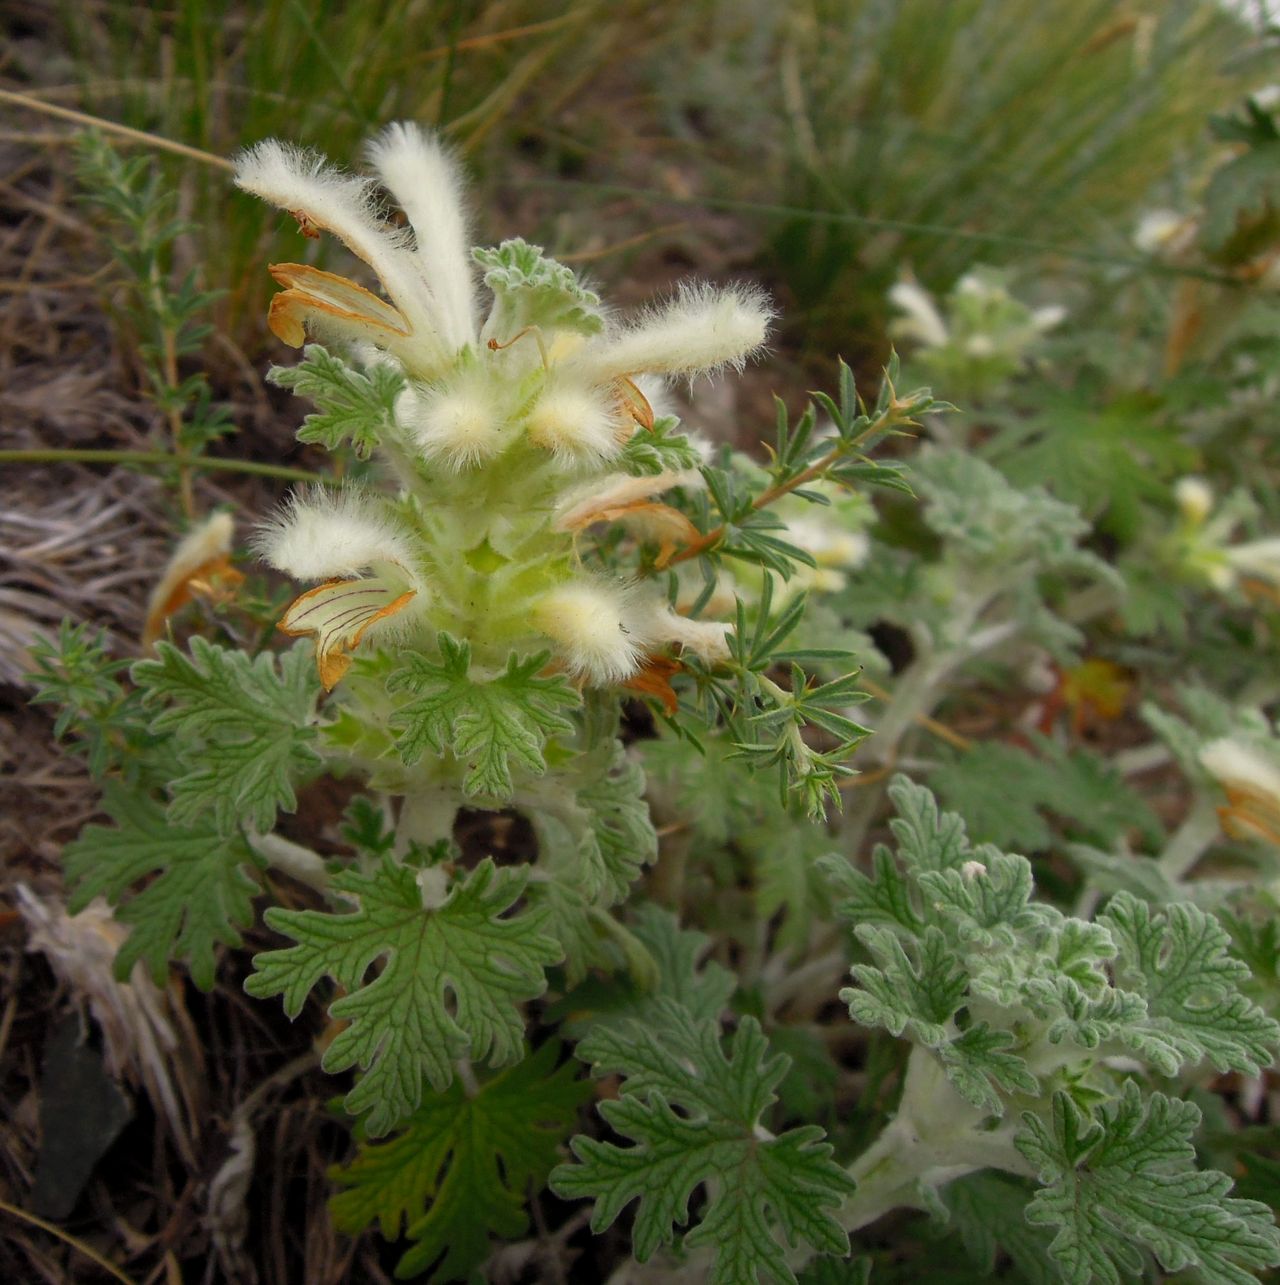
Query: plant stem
(912, 700)
(815, 470)
(292, 859)
(182, 457)
(143, 459)
(934, 1138)
(1194, 835)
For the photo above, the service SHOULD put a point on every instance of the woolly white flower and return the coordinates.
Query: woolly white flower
(426, 180)
(577, 421)
(604, 629)
(629, 501)
(923, 322)
(1237, 765)
(828, 544)
(1163, 232)
(1046, 318)
(706, 639)
(319, 535)
(698, 332)
(425, 271)
(1250, 779)
(201, 564)
(1258, 558)
(596, 627)
(605, 497)
(1195, 499)
(459, 424)
(334, 538)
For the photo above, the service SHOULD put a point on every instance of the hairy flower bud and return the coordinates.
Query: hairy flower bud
(576, 421)
(593, 623)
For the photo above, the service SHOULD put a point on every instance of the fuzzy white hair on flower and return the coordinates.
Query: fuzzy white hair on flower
(365, 560)
(1048, 317)
(201, 564)
(424, 269)
(596, 628)
(706, 639)
(597, 500)
(1160, 230)
(1257, 558)
(628, 500)
(699, 332)
(458, 424)
(828, 544)
(319, 535)
(426, 181)
(922, 320)
(577, 421)
(1194, 497)
(1237, 765)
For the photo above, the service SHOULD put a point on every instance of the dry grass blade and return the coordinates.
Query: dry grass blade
(87, 1250)
(115, 129)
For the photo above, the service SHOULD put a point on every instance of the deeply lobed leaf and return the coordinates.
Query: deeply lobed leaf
(490, 725)
(460, 1171)
(198, 893)
(693, 1113)
(240, 728)
(1125, 1181)
(449, 987)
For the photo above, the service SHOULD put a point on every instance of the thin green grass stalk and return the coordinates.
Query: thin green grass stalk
(160, 461)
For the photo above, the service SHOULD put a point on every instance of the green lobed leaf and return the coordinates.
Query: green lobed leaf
(450, 985)
(1123, 1181)
(990, 784)
(488, 724)
(693, 1113)
(594, 826)
(353, 404)
(914, 990)
(987, 904)
(980, 1061)
(241, 729)
(1243, 196)
(1179, 961)
(658, 449)
(198, 896)
(664, 960)
(1112, 457)
(461, 1170)
(533, 290)
(988, 1210)
(701, 986)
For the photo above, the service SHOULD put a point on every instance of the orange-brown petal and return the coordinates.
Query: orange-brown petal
(339, 613)
(338, 303)
(635, 403)
(654, 679)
